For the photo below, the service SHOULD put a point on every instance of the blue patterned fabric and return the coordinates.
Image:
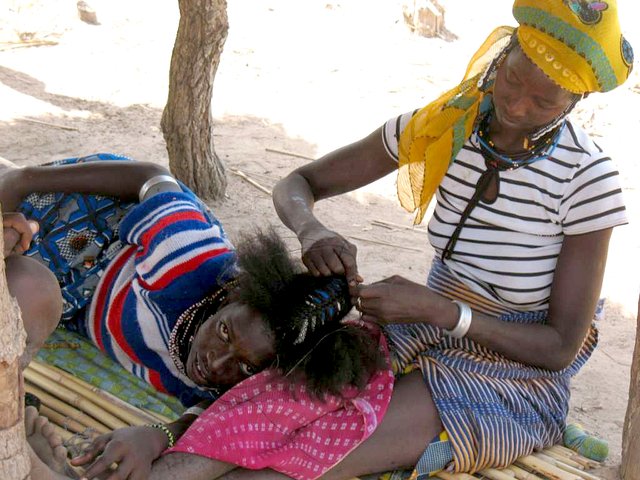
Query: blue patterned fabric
(78, 238)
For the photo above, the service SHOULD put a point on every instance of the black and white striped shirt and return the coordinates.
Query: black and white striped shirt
(508, 249)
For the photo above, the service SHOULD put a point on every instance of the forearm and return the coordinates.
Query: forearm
(538, 345)
(294, 202)
(121, 179)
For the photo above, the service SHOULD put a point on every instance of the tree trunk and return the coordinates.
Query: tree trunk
(14, 458)
(630, 469)
(186, 121)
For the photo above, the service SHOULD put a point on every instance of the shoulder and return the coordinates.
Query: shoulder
(391, 131)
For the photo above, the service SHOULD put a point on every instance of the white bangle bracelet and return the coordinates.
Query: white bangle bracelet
(464, 320)
(195, 410)
(152, 186)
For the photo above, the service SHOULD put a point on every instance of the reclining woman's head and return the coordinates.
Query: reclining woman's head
(274, 315)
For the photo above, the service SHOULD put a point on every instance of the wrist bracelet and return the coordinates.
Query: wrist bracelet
(195, 410)
(170, 436)
(465, 316)
(152, 186)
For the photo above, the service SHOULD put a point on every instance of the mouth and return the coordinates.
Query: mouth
(198, 372)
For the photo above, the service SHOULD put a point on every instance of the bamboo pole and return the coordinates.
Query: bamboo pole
(158, 417)
(540, 466)
(575, 456)
(565, 466)
(126, 414)
(73, 398)
(521, 474)
(67, 423)
(65, 409)
(495, 474)
(556, 456)
(455, 476)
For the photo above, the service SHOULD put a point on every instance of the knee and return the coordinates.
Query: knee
(38, 295)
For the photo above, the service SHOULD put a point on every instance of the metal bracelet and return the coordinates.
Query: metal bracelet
(464, 320)
(154, 182)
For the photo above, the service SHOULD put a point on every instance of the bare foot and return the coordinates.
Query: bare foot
(44, 441)
(40, 471)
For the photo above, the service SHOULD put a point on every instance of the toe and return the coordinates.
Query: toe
(30, 416)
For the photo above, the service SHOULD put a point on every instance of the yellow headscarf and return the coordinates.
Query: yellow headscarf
(578, 44)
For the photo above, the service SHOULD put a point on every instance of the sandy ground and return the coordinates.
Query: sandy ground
(304, 77)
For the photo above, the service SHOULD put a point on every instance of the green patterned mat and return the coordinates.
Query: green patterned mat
(76, 355)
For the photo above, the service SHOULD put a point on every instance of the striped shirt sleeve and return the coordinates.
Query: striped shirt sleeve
(392, 130)
(177, 243)
(593, 200)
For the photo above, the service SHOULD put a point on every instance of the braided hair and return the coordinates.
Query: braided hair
(304, 313)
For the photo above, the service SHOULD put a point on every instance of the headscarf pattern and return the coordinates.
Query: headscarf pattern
(578, 44)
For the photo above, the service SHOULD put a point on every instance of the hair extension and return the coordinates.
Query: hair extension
(304, 313)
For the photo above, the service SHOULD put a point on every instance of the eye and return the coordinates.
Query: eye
(223, 331)
(247, 369)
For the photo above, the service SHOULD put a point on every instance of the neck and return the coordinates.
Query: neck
(508, 141)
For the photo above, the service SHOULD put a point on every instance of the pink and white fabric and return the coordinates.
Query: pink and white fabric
(265, 422)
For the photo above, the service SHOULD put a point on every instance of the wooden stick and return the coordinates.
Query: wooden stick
(575, 456)
(291, 154)
(384, 223)
(112, 405)
(523, 474)
(251, 181)
(540, 466)
(566, 467)
(67, 423)
(456, 476)
(32, 43)
(563, 459)
(158, 417)
(39, 122)
(495, 474)
(73, 398)
(387, 244)
(67, 410)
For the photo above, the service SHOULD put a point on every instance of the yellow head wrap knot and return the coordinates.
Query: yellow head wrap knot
(577, 43)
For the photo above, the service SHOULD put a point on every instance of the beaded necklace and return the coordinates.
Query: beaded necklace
(534, 151)
(187, 325)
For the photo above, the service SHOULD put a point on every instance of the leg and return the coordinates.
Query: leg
(410, 423)
(38, 295)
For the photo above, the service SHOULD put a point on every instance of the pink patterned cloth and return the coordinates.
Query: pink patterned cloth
(264, 422)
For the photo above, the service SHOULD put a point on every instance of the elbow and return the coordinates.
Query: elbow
(559, 359)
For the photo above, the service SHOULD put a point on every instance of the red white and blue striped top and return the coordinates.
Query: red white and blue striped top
(176, 253)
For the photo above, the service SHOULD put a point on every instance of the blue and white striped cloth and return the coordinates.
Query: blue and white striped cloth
(493, 409)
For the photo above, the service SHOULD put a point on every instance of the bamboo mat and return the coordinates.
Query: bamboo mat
(80, 412)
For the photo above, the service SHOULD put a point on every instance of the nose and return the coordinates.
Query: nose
(518, 108)
(216, 363)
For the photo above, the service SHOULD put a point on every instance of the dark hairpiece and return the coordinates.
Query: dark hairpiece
(304, 313)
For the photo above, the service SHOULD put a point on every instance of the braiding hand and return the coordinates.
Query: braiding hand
(392, 300)
(326, 253)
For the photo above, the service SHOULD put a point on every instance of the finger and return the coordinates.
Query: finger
(333, 263)
(122, 471)
(311, 266)
(98, 467)
(96, 447)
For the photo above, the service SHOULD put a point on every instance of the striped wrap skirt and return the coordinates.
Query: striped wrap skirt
(493, 409)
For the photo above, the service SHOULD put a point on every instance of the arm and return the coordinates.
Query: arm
(133, 448)
(554, 345)
(323, 251)
(121, 179)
